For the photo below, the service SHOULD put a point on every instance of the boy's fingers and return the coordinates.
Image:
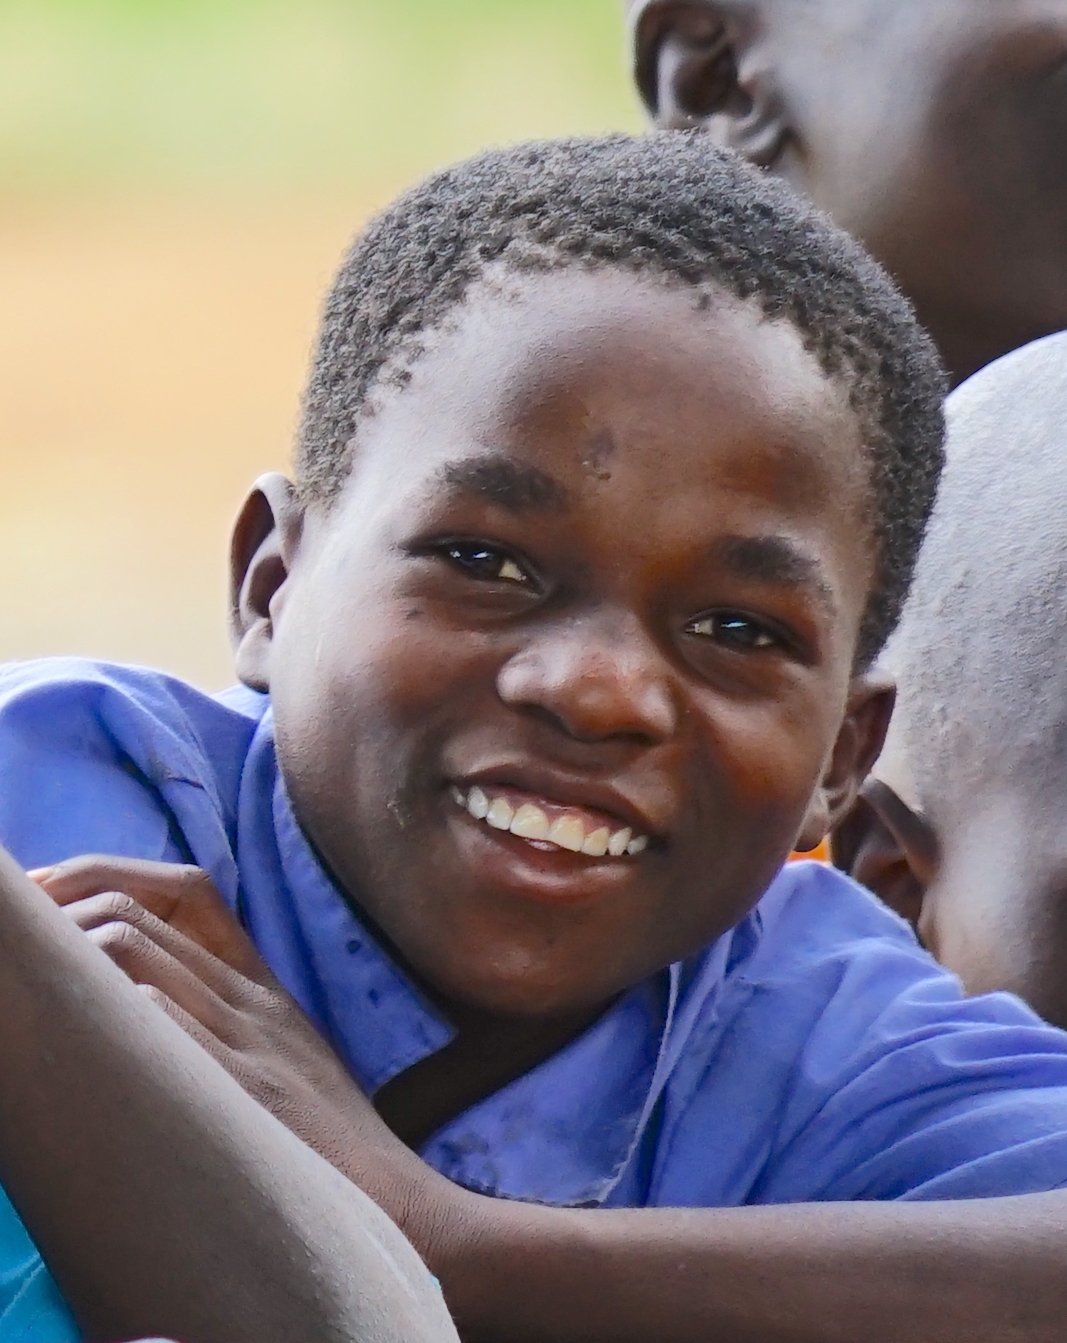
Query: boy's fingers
(189, 1024)
(114, 910)
(181, 896)
(147, 963)
(161, 887)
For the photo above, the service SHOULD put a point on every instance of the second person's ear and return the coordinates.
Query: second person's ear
(699, 63)
(888, 847)
(859, 742)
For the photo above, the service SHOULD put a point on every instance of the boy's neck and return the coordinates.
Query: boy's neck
(486, 1054)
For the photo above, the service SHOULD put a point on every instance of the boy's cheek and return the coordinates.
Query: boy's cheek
(773, 750)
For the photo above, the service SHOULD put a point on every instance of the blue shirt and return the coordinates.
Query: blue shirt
(813, 1053)
(31, 1309)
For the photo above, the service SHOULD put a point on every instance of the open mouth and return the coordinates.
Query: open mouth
(548, 825)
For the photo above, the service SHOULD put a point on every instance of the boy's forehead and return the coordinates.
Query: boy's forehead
(579, 387)
(540, 346)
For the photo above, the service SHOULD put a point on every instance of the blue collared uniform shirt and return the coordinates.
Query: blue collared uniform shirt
(815, 1052)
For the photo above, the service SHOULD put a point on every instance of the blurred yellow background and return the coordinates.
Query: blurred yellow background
(177, 181)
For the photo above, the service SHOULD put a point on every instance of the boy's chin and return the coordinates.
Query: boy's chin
(517, 988)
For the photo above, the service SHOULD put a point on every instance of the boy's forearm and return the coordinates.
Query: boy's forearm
(163, 1198)
(987, 1271)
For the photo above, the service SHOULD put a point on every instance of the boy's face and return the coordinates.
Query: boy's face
(931, 129)
(598, 569)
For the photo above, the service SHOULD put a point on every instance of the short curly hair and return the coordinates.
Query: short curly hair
(669, 204)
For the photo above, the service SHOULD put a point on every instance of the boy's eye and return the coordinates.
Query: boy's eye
(736, 631)
(486, 562)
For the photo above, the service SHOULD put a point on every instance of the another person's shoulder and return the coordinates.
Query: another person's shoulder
(814, 909)
(851, 974)
(822, 938)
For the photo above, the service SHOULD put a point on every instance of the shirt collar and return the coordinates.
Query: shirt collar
(314, 941)
(570, 1130)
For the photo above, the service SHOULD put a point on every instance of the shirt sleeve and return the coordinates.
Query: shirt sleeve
(839, 1062)
(111, 760)
(903, 1088)
(31, 1307)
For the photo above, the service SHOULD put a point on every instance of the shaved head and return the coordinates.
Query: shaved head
(981, 651)
(973, 847)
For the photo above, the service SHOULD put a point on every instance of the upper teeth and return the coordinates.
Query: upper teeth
(571, 831)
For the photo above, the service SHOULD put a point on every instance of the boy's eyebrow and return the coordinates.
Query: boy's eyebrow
(508, 484)
(775, 559)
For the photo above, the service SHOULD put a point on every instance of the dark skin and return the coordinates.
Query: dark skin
(932, 131)
(986, 896)
(561, 716)
(160, 1196)
(891, 848)
(660, 683)
(679, 644)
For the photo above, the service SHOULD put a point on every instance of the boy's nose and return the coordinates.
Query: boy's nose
(596, 680)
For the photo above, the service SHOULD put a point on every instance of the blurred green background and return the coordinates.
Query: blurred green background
(177, 180)
(238, 94)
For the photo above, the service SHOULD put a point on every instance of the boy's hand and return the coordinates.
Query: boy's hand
(181, 897)
(169, 930)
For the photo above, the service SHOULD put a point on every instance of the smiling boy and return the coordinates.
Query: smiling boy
(614, 463)
(933, 130)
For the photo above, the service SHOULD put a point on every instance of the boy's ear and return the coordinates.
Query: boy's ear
(888, 847)
(264, 541)
(859, 743)
(701, 63)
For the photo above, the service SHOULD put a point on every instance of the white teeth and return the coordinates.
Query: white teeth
(618, 842)
(500, 813)
(596, 844)
(568, 833)
(530, 822)
(477, 804)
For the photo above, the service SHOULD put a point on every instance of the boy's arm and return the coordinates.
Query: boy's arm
(979, 1271)
(162, 1198)
(985, 1271)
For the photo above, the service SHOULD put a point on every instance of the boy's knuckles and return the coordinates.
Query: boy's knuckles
(196, 885)
(170, 883)
(123, 942)
(114, 907)
(262, 1003)
(157, 996)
